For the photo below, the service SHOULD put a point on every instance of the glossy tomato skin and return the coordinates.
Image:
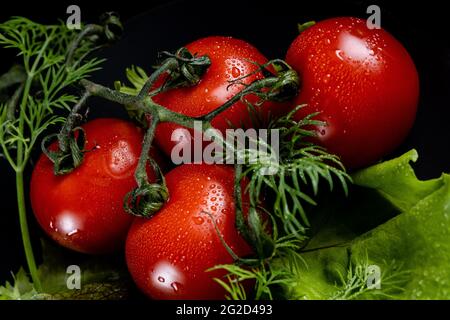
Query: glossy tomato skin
(167, 255)
(231, 59)
(83, 210)
(362, 81)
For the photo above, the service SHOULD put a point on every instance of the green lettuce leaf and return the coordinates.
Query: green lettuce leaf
(396, 223)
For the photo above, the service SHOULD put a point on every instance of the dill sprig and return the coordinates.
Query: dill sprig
(293, 182)
(37, 94)
(354, 282)
(298, 170)
(43, 51)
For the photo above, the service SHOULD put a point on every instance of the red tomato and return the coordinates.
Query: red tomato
(167, 255)
(362, 81)
(231, 59)
(83, 210)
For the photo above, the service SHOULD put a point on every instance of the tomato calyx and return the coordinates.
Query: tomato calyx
(306, 25)
(70, 155)
(189, 71)
(288, 82)
(147, 198)
(113, 28)
(71, 142)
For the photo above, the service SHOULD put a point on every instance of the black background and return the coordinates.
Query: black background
(420, 25)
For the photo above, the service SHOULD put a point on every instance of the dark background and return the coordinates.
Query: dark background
(270, 26)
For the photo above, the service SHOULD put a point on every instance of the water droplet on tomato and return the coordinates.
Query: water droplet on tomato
(235, 72)
(71, 233)
(176, 286)
(198, 220)
(161, 279)
(340, 54)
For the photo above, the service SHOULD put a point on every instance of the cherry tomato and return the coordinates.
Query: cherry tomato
(168, 254)
(362, 81)
(83, 210)
(231, 59)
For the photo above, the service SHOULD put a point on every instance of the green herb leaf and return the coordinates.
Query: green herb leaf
(21, 289)
(396, 181)
(412, 248)
(299, 169)
(45, 78)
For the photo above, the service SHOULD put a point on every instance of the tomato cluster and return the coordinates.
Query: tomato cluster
(362, 82)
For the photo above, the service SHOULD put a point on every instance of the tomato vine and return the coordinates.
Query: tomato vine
(58, 60)
(301, 162)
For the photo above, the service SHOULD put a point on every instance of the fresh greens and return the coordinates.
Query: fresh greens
(411, 249)
(20, 289)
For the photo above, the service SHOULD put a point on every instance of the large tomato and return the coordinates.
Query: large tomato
(168, 254)
(83, 210)
(231, 59)
(362, 81)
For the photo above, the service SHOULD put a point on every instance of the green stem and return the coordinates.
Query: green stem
(65, 132)
(239, 215)
(22, 157)
(14, 76)
(168, 65)
(25, 233)
(163, 114)
(253, 87)
(141, 172)
(90, 29)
